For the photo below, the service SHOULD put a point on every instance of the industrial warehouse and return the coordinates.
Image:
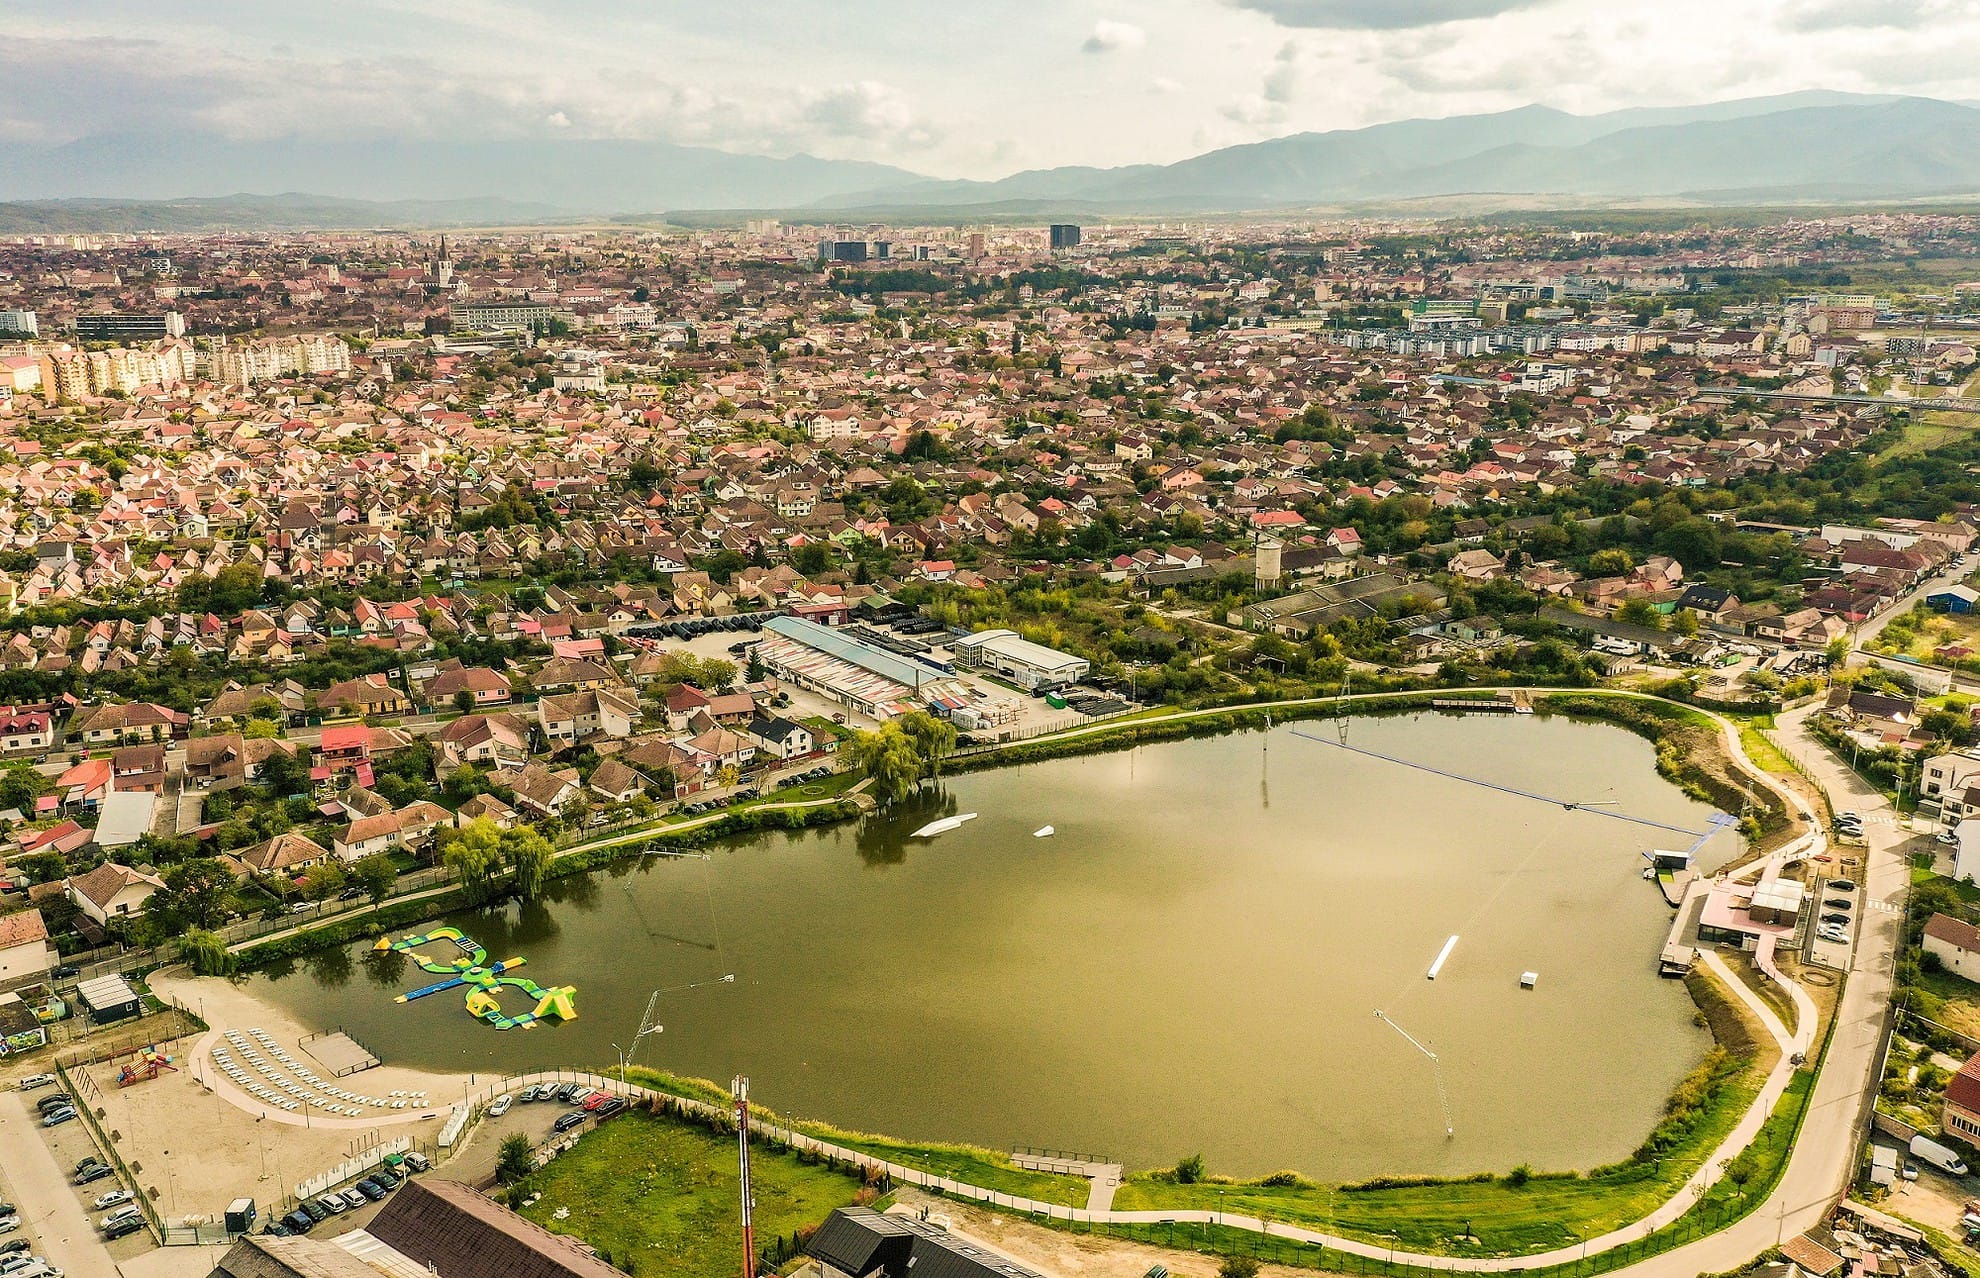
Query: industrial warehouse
(870, 680)
(1027, 664)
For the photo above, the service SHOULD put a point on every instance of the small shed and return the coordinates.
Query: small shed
(109, 998)
(1953, 599)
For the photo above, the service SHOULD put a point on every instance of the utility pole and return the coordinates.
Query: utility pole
(740, 1088)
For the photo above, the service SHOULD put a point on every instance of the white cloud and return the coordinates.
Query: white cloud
(1111, 37)
(779, 76)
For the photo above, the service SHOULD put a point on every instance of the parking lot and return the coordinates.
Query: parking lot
(55, 1217)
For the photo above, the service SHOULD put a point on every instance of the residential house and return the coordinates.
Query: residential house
(411, 827)
(25, 953)
(373, 695)
(139, 769)
(1956, 944)
(112, 891)
(286, 855)
(780, 738)
(539, 790)
(127, 723)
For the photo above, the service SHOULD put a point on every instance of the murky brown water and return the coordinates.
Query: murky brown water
(1194, 962)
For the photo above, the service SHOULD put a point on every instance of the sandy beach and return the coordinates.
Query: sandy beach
(202, 1142)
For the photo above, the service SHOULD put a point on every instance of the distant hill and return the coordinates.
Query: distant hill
(262, 212)
(1792, 149)
(595, 176)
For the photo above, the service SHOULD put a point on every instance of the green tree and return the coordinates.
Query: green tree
(512, 1161)
(934, 739)
(888, 757)
(21, 785)
(206, 953)
(1238, 1267)
(197, 894)
(323, 880)
(376, 875)
(474, 857)
(528, 856)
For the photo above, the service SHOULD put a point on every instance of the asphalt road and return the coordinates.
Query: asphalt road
(1824, 1155)
(52, 1211)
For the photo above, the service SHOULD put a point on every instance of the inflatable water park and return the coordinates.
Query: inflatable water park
(466, 967)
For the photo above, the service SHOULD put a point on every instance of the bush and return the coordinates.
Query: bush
(1238, 1267)
(1190, 1170)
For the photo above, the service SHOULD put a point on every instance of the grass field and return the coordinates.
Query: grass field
(659, 1196)
(966, 1163)
(1761, 750)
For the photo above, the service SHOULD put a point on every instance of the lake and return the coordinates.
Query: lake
(1194, 962)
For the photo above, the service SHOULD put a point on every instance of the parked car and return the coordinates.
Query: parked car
(277, 1229)
(299, 1222)
(609, 1108)
(33, 1081)
(332, 1204)
(55, 1101)
(57, 1118)
(1947, 837)
(316, 1212)
(569, 1090)
(87, 1163)
(371, 1189)
(1836, 920)
(93, 1173)
(418, 1162)
(128, 1225)
(501, 1105)
(114, 1198)
(64, 972)
(527, 1094)
(569, 1121)
(386, 1178)
(301, 907)
(1842, 885)
(354, 1198)
(121, 1214)
(14, 1246)
(8, 1224)
(594, 1100)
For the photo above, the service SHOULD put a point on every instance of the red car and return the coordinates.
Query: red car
(596, 1099)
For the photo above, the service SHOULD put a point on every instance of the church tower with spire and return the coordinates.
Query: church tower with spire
(443, 266)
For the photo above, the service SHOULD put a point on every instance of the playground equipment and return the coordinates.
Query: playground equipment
(150, 1063)
(468, 968)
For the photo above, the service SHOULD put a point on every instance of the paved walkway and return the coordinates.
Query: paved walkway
(47, 1200)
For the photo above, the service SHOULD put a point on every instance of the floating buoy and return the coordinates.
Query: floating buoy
(1527, 980)
(1043, 832)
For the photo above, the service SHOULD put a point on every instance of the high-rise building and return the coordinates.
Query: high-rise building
(22, 322)
(855, 250)
(979, 246)
(1064, 236)
(119, 326)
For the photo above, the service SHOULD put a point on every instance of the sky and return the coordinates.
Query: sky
(949, 88)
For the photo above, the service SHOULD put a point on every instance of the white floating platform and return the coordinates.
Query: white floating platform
(1442, 954)
(1043, 832)
(1527, 980)
(943, 826)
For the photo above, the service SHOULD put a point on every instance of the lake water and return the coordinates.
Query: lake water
(1193, 963)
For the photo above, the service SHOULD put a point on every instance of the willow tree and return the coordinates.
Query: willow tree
(900, 754)
(528, 856)
(474, 856)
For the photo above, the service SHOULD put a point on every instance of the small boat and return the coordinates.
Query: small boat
(943, 826)
(1043, 832)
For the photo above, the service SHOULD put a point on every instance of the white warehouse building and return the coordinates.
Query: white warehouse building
(1028, 664)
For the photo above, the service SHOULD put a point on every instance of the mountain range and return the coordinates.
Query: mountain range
(1816, 146)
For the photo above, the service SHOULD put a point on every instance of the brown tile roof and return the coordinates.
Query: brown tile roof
(1963, 1088)
(1943, 927)
(23, 927)
(460, 1233)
